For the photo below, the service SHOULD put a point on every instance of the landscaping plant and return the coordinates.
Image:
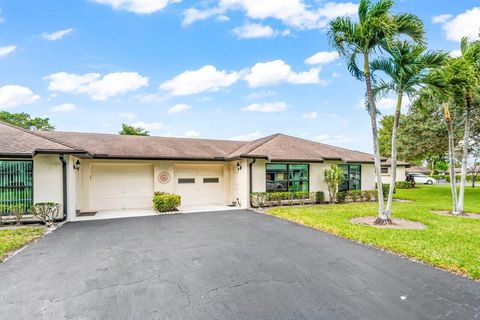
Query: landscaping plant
(375, 29)
(166, 202)
(47, 212)
(333, 178)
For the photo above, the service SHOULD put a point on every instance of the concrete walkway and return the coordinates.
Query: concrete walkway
(221, 265)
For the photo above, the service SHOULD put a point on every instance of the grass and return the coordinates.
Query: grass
(450, 243)
(13, 239)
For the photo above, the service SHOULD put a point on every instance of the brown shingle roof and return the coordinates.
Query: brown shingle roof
(118, 146)
(17, 141)
(277, 147)
(388, 163)
(281, 147)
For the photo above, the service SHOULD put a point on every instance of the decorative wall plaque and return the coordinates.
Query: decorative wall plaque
(164, 177)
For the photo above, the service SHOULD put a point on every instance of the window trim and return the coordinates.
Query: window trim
(288, 164)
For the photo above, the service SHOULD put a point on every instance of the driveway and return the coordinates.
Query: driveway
(221, 265)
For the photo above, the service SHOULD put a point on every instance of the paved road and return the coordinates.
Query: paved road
(221, 265)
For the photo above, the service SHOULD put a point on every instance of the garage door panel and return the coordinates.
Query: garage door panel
(121, 186)
(200, 192)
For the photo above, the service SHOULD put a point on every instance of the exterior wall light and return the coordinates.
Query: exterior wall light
(76, 165)
(239, 166)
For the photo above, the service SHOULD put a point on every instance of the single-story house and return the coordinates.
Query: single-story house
(387, 170)
(86, 172)
(418, 169)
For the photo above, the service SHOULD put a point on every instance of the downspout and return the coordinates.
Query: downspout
(250, 188)
(64, 178)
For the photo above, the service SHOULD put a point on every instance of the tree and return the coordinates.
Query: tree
(407, 68)
(333, 178)
(475, 166)
(24, 120)
(128, 130)
(376, 27)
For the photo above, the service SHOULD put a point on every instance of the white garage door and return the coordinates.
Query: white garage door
(119, 186)
(199, 184)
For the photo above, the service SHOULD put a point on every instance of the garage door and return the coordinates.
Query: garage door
(116, 186)
(199, 184)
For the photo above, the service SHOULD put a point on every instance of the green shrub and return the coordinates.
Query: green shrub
(47, 212)
(404, 185)
(368, 195)
(341, 196)
(166, 202)
(319, 197)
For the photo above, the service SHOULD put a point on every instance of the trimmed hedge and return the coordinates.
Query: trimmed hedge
(404, 185)
(357, 196)
(166, 202)
(319, 197)
(265, 199)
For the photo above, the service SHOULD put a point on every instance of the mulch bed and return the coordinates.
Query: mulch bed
(397, 223)
(463, 215)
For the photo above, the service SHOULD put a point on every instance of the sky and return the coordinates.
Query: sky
(220, 69)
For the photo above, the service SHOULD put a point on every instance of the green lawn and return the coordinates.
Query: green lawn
(451, 243)
(12, 239)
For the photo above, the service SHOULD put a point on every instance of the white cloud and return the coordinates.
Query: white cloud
(277, 71)
(222, 18)
(96, 86)
(322, 57)
(310, 115)
(64, 107)
(191, 134)
(57, 35)
(441, 18)
(267, 107)
(466, 24)
(254, 30)
(260, 95)
(6, 50)
(248, 136)
(294, 13)
(137, 6)
(128, 115)
(149, 125)
(179, 108)
(207, 78)
(389, 103)
(13, 95)
(455, 53)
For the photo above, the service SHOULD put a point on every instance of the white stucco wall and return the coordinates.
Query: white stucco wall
(400, 176)
(368, 176)
(47, 179)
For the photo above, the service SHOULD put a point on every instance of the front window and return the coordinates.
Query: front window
(16, 185)
(352, 177)
(286, 177)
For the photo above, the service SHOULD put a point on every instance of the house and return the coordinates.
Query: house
(87, 172)
(418, 169)
(387, 170)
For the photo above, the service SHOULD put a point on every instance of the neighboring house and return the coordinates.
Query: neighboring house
(87, 172)
(401, 170)
(418, 169)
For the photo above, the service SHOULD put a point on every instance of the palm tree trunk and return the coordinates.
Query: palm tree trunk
(383, 218)
(466, 140)
(393, 177)
(451, 157)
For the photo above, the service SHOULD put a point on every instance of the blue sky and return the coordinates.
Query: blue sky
(230, 69)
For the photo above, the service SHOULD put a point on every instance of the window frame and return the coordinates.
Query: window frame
(348, 181)
(186, 181)
(30, 187)
(288, 180)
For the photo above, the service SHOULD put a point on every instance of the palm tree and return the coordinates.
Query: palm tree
(376, 27)
(407, 67)
(467, 81)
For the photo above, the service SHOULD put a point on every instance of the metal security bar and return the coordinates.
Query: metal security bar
(16, 186)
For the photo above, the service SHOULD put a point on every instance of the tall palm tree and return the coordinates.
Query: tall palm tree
(467, 82)
(407, 67)
(376, 27)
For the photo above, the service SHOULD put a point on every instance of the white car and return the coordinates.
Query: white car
(421, 178)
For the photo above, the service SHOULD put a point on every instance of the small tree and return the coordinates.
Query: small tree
(333, 178)
(47, 212)
(128, 130)
(17, 210)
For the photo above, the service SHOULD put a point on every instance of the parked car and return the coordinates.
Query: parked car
(421, 178)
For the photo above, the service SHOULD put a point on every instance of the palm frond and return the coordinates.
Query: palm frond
(410, 25)
(353, 67)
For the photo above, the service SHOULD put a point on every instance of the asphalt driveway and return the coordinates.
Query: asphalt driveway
(221, 265)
